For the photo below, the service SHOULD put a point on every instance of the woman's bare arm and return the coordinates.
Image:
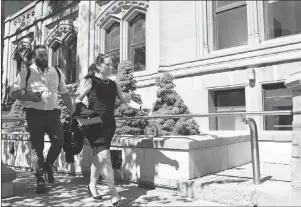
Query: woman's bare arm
(126, 100)
(84, 90)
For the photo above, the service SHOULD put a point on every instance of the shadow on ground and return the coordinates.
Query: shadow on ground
(72, 191)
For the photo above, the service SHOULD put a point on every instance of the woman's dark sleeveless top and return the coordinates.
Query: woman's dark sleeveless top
(102, 96)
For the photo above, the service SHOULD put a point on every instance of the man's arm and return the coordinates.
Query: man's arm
(18, 89)
(65, 93)
(67, 100)
(29, 96)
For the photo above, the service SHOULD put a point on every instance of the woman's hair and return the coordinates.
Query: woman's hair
(92, 68)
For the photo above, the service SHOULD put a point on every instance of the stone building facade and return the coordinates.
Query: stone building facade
(224, 55)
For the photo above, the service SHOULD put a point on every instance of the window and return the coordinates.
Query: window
(57, 56)
(137, 42)
(64, 57)
(230, 24)
(277, 97)
(282, 18)
(227, 101)
(19, 65)
(71, 61)
(113, 45)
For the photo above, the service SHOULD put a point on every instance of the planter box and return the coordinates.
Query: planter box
(162, 161)
(167, 160)
(21, 158)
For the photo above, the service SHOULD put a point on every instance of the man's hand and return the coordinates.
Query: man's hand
(71, 111)
(28, 96)
(67, 100)
(34, 96)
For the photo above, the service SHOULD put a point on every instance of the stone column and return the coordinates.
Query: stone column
(205, 27)
(92, 31)
(294, 82)
(255, 23)
(83, 40)
(38, 23)
(153, 37)
(199, 14)
(5, 64)
(250, 21)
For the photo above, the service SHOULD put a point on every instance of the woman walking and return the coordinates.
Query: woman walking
(102, 93)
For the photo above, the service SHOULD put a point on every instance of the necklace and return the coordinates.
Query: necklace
(104, 81)
(98, 76)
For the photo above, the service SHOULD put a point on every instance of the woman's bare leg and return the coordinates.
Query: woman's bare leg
(102, 165)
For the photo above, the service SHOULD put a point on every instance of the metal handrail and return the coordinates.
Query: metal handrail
(250, 121)
(235, 113)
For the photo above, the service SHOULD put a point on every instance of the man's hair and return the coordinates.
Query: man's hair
(38, 47)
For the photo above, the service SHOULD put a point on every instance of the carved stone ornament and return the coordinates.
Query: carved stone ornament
(25, 19)
(22, 49)
(61, 34)
(117, 7)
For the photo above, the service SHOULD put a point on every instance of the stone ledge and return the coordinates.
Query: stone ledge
(294, 81)
(7, 174)
(192, 142)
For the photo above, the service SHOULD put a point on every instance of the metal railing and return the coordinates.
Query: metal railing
(248, 120)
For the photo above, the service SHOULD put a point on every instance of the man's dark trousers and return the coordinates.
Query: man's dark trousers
(40, 122)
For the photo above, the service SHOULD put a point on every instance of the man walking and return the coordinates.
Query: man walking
(37, 88)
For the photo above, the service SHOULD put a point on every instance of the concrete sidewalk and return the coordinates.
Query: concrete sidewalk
(235, 186)
(72, 191)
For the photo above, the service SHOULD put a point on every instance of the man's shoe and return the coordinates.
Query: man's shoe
(41, 186)
(49, 173)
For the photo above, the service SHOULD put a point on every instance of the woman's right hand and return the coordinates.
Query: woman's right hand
(145, 111)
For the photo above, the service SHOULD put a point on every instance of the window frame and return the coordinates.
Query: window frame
(213, 34)
(131, 47)
(70, 75)
(54, 50)
(123, 17)
(266, 25)
(270, 84)
(213, 121)
(113, 51)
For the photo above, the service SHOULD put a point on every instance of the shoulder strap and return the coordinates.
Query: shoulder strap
(27, 77)
(58, 73)
(29, 72)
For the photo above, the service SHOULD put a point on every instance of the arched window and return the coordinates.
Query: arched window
(137, 42)
(113, 44)
(57, 56)
(63, 43)
(122, 32)
(19, 66)
(71, 61)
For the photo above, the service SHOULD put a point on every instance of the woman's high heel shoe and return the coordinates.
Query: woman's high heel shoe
(117, 203)
(96, 197)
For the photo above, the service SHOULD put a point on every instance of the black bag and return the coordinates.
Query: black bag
(84, 123)
(91, 129)
(73, 141)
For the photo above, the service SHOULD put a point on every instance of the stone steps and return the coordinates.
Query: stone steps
(235, 187)
(7, 177)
